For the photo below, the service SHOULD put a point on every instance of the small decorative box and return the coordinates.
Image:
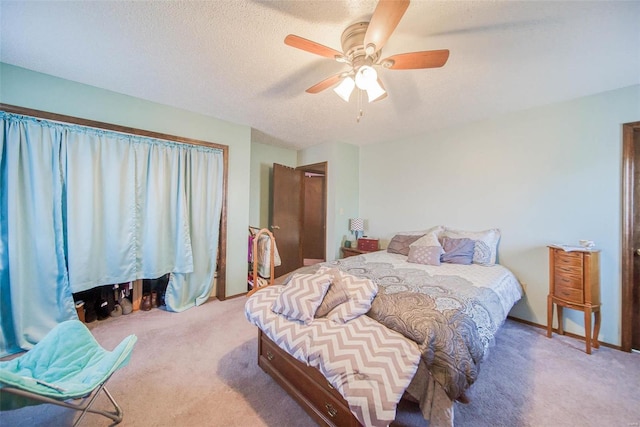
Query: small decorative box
(365, 244)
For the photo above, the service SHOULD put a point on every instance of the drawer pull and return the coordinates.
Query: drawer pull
(331, 410)
(330, 386)
(269, 356)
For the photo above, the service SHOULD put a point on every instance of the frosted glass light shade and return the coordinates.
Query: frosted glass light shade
(365, 77)
(345, 88)
(375, 91)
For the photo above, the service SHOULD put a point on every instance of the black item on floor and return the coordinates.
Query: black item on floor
(89, 297)
(102, 302)
(159, 285)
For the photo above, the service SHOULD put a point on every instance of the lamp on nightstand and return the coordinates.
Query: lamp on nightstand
(356, 225)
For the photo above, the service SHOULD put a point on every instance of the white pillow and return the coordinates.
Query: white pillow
(485, 250)
(361, 291)
(302, 296)
(429, 239)
(438, 229)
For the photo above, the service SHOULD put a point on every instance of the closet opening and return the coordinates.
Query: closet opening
(114, 300)
(138, 155)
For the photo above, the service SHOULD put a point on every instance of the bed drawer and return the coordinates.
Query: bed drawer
(305, 384)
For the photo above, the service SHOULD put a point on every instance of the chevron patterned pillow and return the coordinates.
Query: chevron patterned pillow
(361, 291)
(302, 296)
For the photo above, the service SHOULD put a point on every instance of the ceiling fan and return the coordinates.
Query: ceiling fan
(361, 50)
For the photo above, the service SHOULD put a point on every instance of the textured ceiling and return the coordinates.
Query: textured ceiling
(227, 59)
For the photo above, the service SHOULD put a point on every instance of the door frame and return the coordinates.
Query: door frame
(322, 168)
(628, 151)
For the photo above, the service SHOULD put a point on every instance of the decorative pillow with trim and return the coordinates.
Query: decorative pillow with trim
(361, 291)
(486, 243)
(337, 293)
(427, 249)
(457, 251)
(428, 255)
(302, 296)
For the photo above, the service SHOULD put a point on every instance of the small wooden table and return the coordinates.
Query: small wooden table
(347, 252)
(574, 282)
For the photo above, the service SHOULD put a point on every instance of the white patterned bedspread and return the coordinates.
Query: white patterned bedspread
(369, 364)
(495, 277)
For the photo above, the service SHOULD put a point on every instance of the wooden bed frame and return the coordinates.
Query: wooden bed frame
(305, 384)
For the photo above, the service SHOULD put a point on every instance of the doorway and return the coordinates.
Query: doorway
(631, 237)
(299, 215)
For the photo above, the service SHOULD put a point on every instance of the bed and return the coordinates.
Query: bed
(444, 316)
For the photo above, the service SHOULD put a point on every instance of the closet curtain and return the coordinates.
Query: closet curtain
(34, 285)
(83, 207)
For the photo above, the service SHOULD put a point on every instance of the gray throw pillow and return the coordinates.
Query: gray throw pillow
(457, 251)
(400, 243)
(336, 295)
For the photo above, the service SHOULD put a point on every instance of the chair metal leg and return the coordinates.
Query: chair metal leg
(116, 415)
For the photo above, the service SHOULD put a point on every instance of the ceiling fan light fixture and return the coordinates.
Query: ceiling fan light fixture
(366, 76)
(345, 88)
(375, 91)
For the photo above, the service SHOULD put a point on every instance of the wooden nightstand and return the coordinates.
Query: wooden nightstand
(347, 252)
(574, 282)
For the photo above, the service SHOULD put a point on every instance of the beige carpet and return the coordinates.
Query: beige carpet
(199, 368)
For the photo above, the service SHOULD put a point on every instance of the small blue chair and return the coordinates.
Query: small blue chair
(67, 365)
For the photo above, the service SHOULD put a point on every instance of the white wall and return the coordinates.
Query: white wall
(545, 175)
(38, 91)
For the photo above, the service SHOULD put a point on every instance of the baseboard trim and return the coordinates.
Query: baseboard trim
(569, 334)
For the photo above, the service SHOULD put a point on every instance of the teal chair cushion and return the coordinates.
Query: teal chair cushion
(67, 364)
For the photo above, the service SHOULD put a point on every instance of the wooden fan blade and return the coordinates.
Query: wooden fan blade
(385, 19)
(311, 47)
(414, 60)
(325, 84)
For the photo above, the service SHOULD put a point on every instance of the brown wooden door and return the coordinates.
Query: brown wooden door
(286, 217)
(631, 237)
(635, 323)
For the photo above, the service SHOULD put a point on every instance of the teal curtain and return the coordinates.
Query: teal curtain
(34, 285)
(205, 207)
(101, 217)
(164, 235)
(83, 207)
